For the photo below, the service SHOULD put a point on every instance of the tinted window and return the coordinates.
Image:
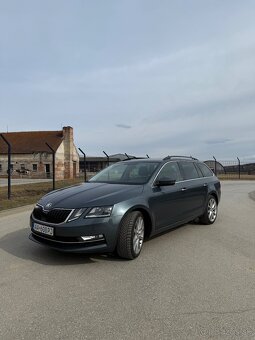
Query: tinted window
(169, 172)
(127, 173)
(205, 170)
(189, 170)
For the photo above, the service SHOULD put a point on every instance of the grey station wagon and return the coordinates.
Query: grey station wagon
(124, 203)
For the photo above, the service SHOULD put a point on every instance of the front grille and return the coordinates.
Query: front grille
(55, 216)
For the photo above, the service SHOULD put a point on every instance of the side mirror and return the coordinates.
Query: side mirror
(163, 182)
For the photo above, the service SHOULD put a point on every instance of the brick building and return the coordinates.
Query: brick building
(32, 157)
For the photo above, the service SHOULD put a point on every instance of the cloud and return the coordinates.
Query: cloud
(123, 126)
(192, 96)
(218, 141)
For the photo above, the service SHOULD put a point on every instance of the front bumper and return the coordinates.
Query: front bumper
(67, 236)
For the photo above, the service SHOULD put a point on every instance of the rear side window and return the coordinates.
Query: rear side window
(189, 170)
(205, 170)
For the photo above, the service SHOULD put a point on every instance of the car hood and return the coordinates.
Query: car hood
(90, 194)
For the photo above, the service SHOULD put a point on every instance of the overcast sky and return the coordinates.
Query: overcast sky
(136, 76)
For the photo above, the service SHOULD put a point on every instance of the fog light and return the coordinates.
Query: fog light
(93, 237)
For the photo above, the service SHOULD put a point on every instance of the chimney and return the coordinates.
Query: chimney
(68, 150)
(68, 133)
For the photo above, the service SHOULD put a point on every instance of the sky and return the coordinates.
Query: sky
(137, 76)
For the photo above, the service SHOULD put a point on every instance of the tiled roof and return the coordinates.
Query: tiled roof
(31, 141)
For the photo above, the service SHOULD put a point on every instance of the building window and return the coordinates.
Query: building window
(1, 168)
(22, 166)
(34, 167)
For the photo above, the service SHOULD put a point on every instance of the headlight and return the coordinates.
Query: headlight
(99, 212)
(76, 214)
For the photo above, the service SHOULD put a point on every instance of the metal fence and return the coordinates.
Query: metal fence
(232, 169)
(224, 169)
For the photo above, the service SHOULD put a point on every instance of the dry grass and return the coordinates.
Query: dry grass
(30, 193)
(235, 176)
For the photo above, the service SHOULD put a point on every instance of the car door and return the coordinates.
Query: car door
(166, 201)
(194, 189)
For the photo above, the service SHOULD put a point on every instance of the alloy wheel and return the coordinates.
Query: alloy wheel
(212, 209)
(138, 235)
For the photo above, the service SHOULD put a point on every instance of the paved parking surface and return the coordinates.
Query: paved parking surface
(17, 181)
(195, 282)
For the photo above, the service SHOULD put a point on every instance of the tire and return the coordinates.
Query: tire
(211, 211)
(131, 236)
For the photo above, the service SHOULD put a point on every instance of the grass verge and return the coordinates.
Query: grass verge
(25, 194)
(235, 176)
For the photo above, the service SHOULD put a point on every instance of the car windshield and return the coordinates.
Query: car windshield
(127, 173)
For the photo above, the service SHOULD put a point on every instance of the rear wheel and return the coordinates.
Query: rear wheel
(131, 235)
(211, 211)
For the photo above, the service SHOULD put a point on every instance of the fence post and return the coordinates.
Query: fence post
(215, 166)
(108, 158)
(9, 165)
(53, 165)
(239, 168)
(84, 161)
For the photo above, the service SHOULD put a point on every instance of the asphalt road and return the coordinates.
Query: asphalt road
(195, 282)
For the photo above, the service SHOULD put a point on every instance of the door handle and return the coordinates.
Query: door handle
(184, 189)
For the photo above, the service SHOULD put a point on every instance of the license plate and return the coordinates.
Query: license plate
(43, 229)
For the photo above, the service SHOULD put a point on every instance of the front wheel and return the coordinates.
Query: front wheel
(131, 235)
(211, 211)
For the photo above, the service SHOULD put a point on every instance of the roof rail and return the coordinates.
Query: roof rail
(170, 157)
(130, 158)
